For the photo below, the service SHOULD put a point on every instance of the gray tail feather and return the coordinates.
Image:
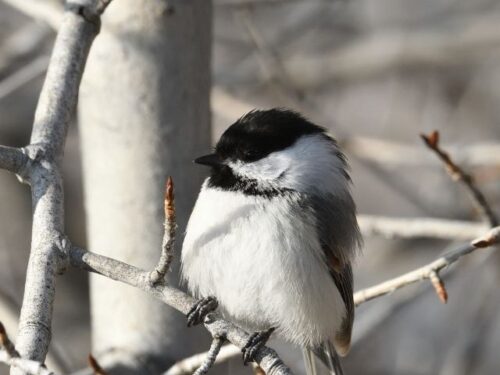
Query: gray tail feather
(309, 361)
(327, 354)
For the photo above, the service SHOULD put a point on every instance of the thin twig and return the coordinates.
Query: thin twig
(6, 344)
(95, 366)
(426, 272)
(458, 174)
(188, 365)
(167, 253)
(212, 354)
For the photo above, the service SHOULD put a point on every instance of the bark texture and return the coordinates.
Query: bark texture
(144, 114)
(41, 168)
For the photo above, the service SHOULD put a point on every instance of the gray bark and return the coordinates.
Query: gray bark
(41, 168)
(144, 114)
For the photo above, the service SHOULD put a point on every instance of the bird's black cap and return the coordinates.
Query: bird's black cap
(260, 132)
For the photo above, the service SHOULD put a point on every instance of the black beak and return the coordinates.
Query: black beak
(210, 159)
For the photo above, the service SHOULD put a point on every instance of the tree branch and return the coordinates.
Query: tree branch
(391, 227)
(428, 271)
(54, 111)
(458, 174)
(388, 152)
(218, 327)
(212, 354)
(189, 365)
(12, 159)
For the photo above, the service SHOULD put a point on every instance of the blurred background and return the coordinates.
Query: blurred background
(377, 73)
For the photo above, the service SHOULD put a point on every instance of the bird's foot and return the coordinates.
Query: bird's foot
(200, 310)
(256, 341)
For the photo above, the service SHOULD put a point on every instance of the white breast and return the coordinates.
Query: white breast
(261, 259)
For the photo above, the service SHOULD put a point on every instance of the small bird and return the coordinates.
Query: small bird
(272, 236)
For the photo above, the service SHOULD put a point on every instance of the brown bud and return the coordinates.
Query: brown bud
(169, 199)
(439, 287)
(94, 365)
(432, 140)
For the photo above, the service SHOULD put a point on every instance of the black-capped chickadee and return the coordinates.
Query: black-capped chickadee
(273, 233)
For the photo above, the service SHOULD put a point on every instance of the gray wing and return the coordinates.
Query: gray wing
(340, 239)
(337, 226)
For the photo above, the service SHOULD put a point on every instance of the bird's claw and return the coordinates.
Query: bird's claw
(256, 341)
(200, 310)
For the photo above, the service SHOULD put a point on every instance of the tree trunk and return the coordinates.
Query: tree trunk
(144, 114)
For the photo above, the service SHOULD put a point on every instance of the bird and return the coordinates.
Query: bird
(273, 234)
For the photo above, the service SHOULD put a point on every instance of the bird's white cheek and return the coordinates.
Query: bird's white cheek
(267, 169)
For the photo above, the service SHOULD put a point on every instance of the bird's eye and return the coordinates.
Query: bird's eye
(250, 154)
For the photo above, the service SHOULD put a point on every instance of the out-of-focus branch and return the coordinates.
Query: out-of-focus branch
(376, 54)
(167, 252)
(388, 152)
(218, 327)
(48, 11)
(228, 106)
(430, 271)
(391, 227)
(458, 174)
(248, 3)
(23, 76)
(189, 365)
(23, 44)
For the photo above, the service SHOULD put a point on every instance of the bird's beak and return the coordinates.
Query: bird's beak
(210, 159)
